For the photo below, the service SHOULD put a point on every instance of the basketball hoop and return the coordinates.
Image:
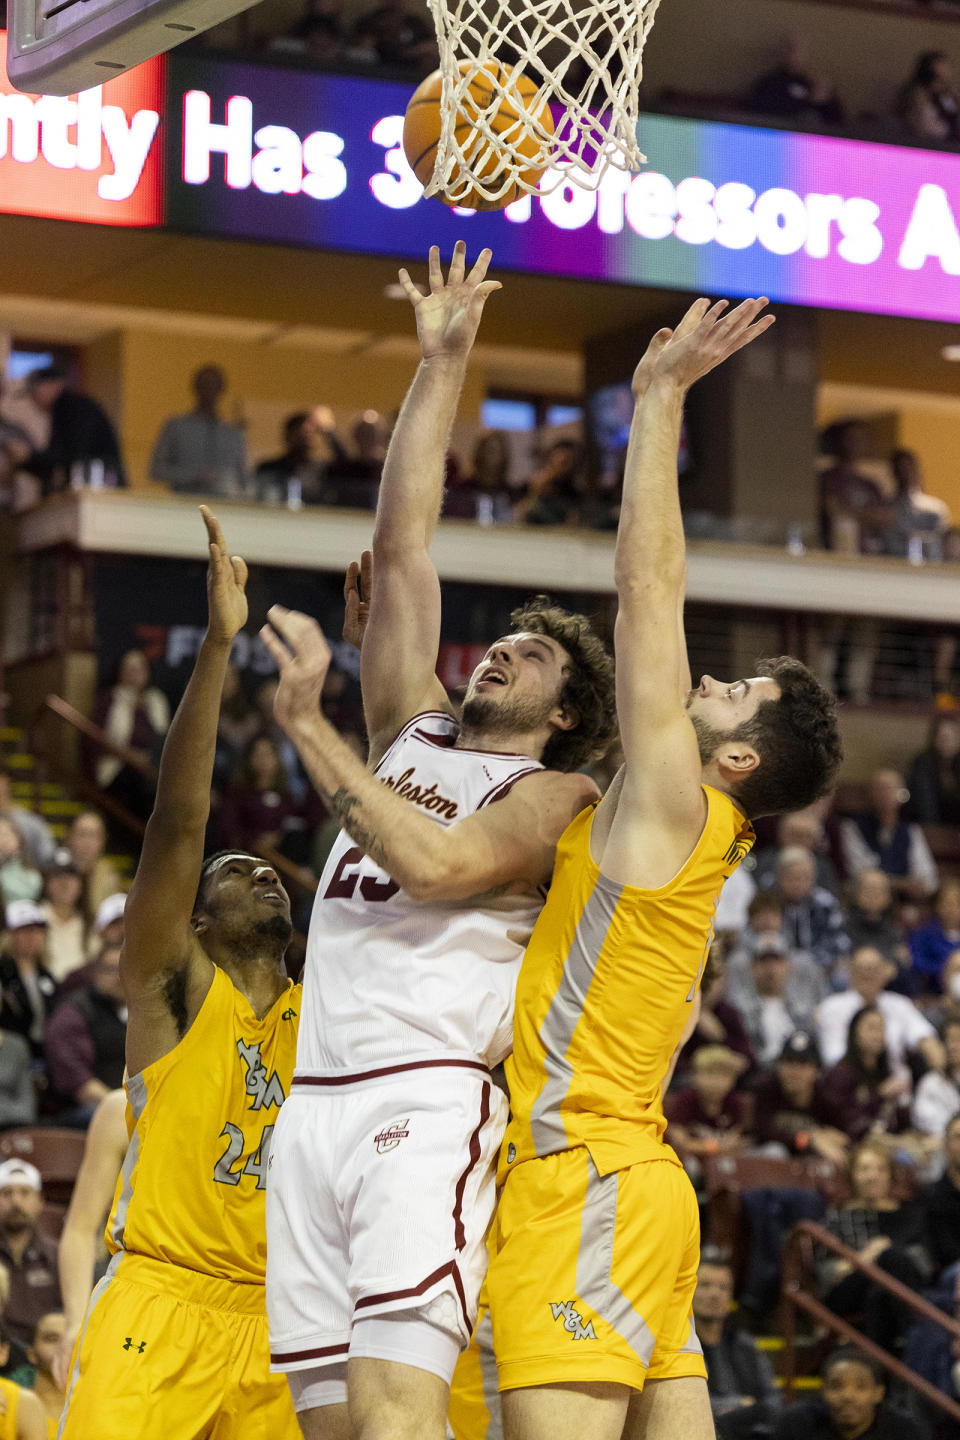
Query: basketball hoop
(587, 62)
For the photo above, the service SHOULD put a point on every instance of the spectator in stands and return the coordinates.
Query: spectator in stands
(915, 515)
(870, 1093)
(928, 104)
(937, 1096)
(298, 476)
(930, 1351)
(17, 1376)
(934, 779)
(948, 1005)
(791, 92)
(933, 943)
(86, 840)
(880, 839)
(80, 434)
(707, 1117)
(296, 778)
(779, 999)
(136, 714)
(108, 921)
(871, 922)
(15, 449)
(941, 1203)
(47, 1335)
(743, 1393)
(85, 1040)
(812, 917)
(257, 806)
(909, 1033)
(27, 989)
(30, 1257)
(18, 880)
(854, 516)
(883, 1230)
(35, 833)
(402, 37)
(239, 723)
(854, 512)
(794, 1110)
(66, 924)
(18, 1094)
(851, 1405)
(355, 477)
(297, 40)
(719, 1022)
(557, 488)
(199, 453)
(803, 828)
(490, 466)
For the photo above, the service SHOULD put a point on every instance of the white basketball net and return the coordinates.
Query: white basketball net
(587, 59)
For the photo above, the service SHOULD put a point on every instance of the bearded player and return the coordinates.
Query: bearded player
(597, 1236)
(174, 1342)
(381, 1181)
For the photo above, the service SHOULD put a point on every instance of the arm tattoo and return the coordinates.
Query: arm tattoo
(343, 804)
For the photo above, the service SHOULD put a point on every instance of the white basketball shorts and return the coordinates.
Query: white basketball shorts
(380, 1192)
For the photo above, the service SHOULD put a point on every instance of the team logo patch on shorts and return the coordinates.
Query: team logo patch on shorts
(573, 1321)
(390, 1138)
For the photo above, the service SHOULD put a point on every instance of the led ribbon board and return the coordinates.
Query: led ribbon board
(292, 157)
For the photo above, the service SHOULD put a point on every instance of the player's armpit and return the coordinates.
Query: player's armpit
(647, 829)
(511, 841)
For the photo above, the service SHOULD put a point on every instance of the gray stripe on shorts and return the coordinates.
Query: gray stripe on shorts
(137, 1095)
(693, 1346)
(483, 1337)
(99, 1291)
(566, 1008)
(595, 1284)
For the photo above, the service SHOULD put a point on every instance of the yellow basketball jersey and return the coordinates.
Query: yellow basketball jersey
(200, 1119)
(604, 993)
(8, 1420)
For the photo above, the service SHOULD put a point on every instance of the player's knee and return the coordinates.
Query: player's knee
(390, 1401)
(398, 1421)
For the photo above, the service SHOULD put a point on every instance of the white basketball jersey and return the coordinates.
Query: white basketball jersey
(389, 978)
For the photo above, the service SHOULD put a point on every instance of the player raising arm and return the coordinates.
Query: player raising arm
(174, 1345)
(597, 1236)
(415, 940)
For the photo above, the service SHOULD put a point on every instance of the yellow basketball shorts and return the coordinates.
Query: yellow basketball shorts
(167, 1354)
(474, 1411)
(594, 1275)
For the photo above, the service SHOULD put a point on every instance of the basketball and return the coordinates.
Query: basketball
(421, 132)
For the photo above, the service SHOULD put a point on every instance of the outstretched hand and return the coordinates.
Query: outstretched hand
(226, 584)
(448, 317)
(303, 657)
(357, 591)
(705, 337)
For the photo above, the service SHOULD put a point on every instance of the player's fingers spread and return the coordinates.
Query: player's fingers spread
(488, 287)
(435, 272)
(411, 291)
(715, 311)
(458, 263)
(481, 266)
(692, 318)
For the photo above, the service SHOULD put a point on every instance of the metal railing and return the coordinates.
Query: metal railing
(798, 1262)
(54, 706)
